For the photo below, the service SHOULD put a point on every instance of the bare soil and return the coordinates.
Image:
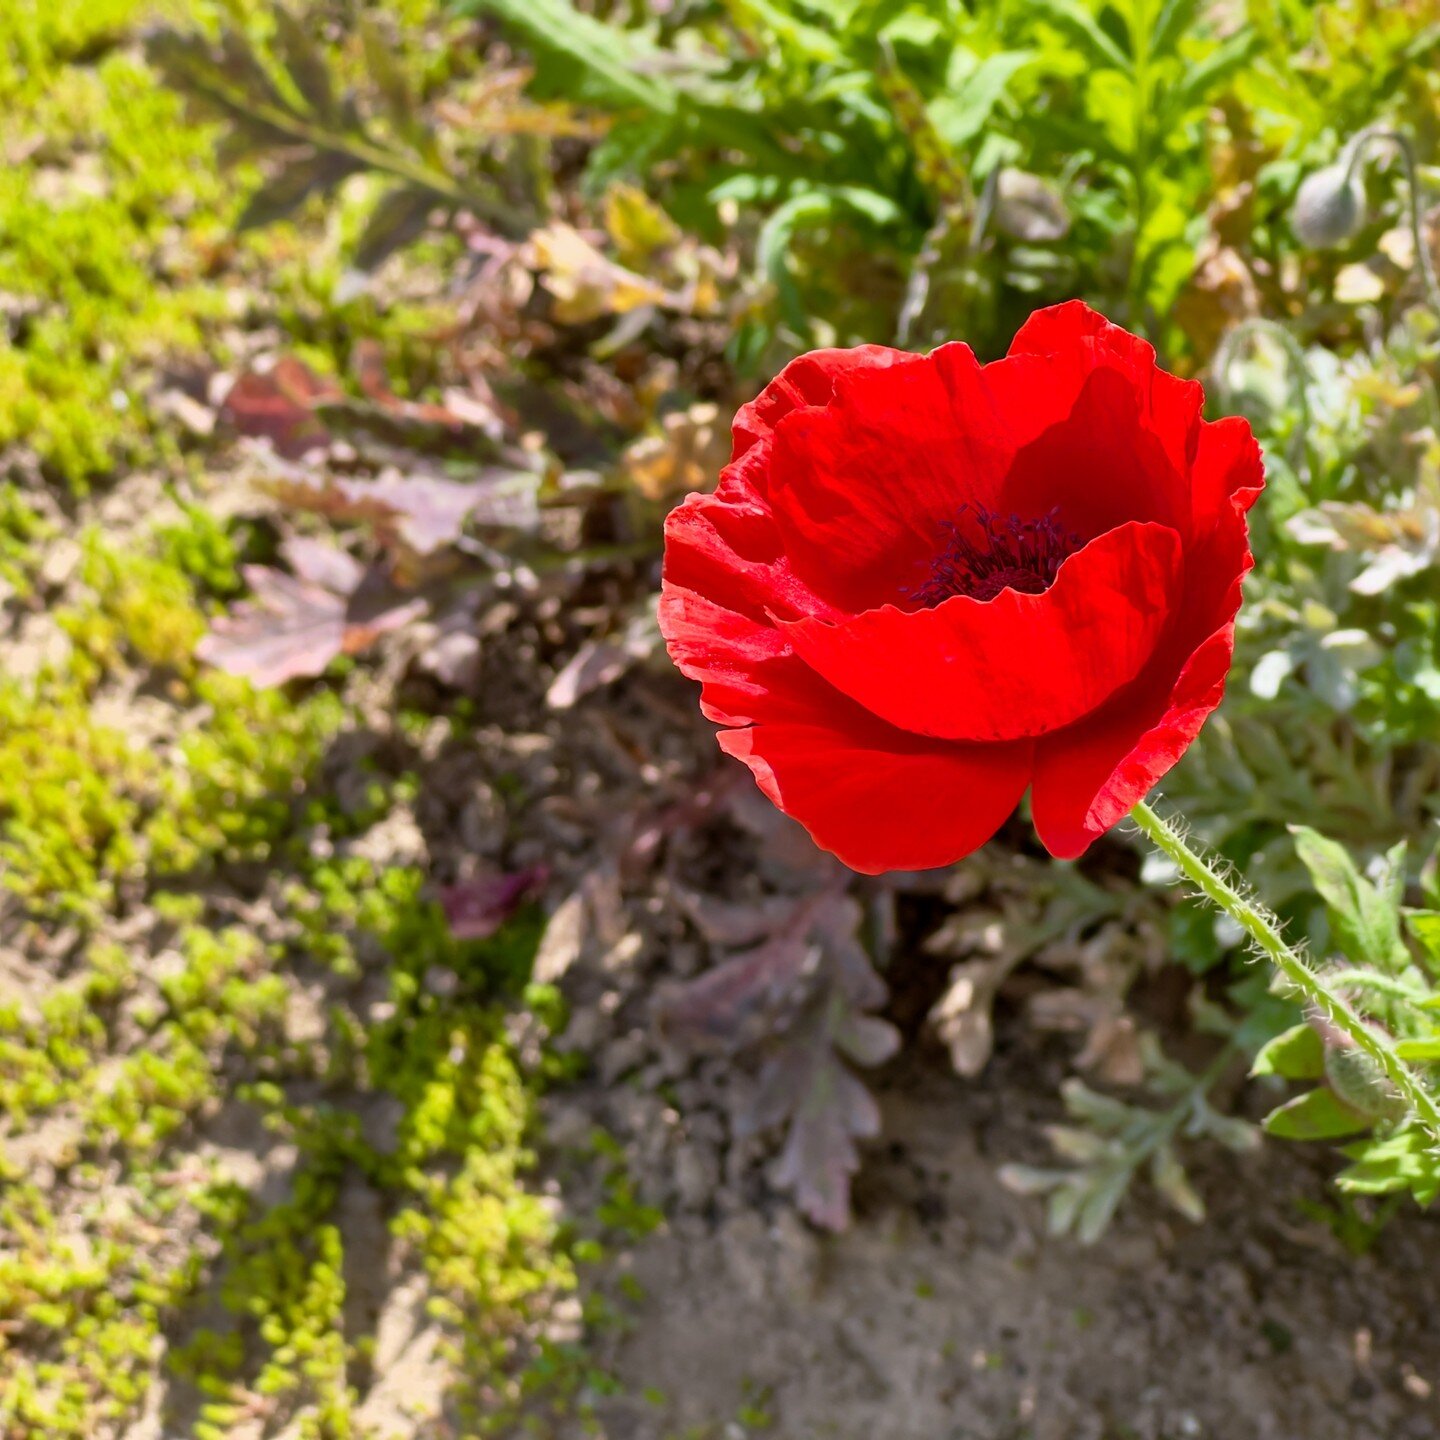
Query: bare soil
(946, 1314)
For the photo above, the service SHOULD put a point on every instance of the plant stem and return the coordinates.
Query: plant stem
(1299, 376)
(1401, 141)
(1263, 929)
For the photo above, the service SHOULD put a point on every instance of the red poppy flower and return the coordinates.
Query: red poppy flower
(924, 584)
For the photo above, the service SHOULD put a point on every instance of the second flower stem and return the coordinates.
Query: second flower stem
(1263, 929)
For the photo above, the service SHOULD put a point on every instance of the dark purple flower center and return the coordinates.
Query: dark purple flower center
(989, 553)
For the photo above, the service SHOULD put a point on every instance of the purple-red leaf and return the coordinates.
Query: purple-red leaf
(475, 909)
(279, 404)
(808, 988)
(422, 512)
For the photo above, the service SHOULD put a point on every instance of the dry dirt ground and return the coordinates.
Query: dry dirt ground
(945, 1313)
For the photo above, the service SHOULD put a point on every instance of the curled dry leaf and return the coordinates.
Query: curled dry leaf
(1038, 912)
(450, 648)
(962, 1015)
(686, 455)
(599, 662)
(295, 624)
(459, 412)
(298, 411)
(421, 511)
(1220, 294)
(638, 226)
(586, 285)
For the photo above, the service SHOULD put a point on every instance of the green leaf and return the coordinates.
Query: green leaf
(959, 118)
(305, 64)
(1420, 1049)
(313, 174)
(217, 83)
(1366, 924)
(1077, 22)
(1298, 1054)
(243, 66)
(1424, 925)
(1392, 881)
(1102, 1111)
(808, 41)
(1318, 1115)
(772, 245)
(1225, 60)
(402, 106)
(1169, 1178)
(398, 219)
(583, 58)
(1407, 1160)
(1174, 19)
(877, 208)
(1106, 1190)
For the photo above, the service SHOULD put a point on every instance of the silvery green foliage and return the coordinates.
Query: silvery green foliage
(1110, 1142)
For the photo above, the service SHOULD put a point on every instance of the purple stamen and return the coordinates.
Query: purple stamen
(1009, 554)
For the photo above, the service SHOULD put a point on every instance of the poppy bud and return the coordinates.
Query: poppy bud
(1330, 206)
(1359, 1081)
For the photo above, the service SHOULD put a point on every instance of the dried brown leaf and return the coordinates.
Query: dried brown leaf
(294, 625)
(686, 455)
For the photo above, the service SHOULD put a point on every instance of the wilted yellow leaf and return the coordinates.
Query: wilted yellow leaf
(1358, 285)
(586, 285)
(637, 225)
(686, 456)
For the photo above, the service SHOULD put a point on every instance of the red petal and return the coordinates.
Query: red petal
(807, 380)
(1090, 775)
(734, 659)
(1018, 665)
(1100, 466)
(1229, 473)
(873, 796)
(861, 486)
(726, 546)
(1165, 407)
(726, 577)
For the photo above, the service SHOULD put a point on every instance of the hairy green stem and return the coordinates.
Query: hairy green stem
(1263, 929)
